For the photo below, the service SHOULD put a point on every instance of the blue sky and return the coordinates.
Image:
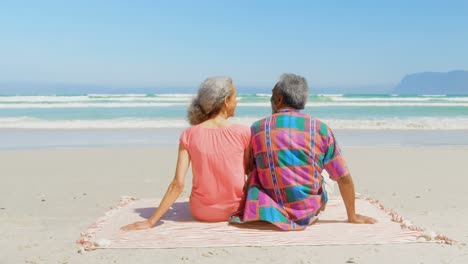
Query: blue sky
(179, 43)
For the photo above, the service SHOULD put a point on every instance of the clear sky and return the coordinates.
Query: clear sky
(179, 43)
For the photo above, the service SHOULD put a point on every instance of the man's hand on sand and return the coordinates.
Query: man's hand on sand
(362, 219)
(140, 225)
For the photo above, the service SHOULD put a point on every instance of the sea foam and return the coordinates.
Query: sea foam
(426, 123)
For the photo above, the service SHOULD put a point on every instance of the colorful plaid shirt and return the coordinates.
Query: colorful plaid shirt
(290, 151)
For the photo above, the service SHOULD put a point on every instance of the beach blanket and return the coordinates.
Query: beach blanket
(178, 229)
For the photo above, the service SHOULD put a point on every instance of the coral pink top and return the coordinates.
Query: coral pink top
(217, 156)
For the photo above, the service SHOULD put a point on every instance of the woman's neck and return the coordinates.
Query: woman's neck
(220, 120)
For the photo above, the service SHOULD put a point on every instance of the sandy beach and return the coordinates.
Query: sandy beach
(95, 97)
(47, 197)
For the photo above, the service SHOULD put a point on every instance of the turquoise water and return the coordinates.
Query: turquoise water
(141, 111)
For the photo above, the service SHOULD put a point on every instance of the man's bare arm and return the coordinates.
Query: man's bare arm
(346, 186)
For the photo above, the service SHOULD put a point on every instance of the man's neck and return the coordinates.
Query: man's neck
(285, 108)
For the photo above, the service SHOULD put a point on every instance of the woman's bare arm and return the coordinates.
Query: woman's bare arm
(173, 191)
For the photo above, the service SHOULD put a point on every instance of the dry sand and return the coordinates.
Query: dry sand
(47, 197)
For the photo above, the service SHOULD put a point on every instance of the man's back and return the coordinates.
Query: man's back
(290, 150)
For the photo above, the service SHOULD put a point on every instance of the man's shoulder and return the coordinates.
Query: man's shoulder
(259, 121)
(256, 126)
(323, 128)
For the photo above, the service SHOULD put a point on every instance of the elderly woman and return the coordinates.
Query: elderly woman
(218, 151)
(291, 149)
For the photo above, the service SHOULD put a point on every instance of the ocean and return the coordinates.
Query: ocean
(155, 119)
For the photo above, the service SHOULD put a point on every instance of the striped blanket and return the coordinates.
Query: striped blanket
(178, 229)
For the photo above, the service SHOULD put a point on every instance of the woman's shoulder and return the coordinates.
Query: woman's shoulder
(244, 133)
(239, 127)
(234, 127)
(187, 130)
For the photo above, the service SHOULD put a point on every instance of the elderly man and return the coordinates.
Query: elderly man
(290, 150)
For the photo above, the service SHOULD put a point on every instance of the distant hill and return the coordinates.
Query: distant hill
(453, 82)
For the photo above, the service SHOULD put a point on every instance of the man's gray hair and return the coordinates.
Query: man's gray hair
(294, 90)
(209, 99)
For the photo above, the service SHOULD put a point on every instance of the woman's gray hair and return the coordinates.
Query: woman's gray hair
(294, 90)
(209, 99)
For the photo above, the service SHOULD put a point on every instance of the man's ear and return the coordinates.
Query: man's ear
(279, 100)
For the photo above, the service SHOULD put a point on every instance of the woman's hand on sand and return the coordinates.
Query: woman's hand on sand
(362, 219)
(140, 225)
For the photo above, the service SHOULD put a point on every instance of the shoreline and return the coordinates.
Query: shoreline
(24, 139)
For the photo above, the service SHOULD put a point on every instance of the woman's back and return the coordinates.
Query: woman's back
(217, 156)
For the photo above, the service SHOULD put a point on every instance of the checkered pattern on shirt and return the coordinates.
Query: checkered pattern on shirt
(290, 150)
